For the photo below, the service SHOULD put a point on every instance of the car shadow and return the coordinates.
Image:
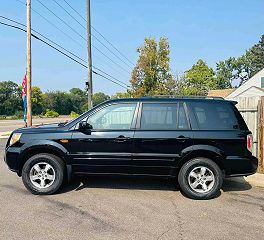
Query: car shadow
(110, 182)
(229, 185)
(79, 183)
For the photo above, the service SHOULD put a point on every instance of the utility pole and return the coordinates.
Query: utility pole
(89, 56)
(29, 112)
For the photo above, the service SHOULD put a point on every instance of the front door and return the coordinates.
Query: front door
(107, 147)
(162, 137)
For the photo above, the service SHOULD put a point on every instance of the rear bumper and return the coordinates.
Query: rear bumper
(240, 166)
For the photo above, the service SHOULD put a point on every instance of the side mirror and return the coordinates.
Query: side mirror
(84, 126)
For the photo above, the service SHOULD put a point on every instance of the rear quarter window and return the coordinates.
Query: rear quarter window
(214, 115)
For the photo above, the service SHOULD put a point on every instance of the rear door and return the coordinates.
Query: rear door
(219, 128)
(163, 134)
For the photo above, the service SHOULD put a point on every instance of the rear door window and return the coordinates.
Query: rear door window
(163, 116)
(214, 116)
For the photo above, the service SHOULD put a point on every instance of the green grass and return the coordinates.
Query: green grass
(5, 135)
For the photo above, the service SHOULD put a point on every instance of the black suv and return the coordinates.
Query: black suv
(197, 141)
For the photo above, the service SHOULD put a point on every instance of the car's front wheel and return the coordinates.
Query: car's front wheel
(43, 174)
(200, 178)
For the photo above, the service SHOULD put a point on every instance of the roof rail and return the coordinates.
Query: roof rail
(191, 97)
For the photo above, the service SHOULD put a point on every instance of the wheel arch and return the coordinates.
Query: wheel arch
(215, 156)
(38, 150)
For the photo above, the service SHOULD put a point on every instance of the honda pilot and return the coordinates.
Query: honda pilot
(195, 141)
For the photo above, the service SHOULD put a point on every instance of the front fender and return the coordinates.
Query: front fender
(44, 145)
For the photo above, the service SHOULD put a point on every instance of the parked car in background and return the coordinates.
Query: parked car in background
(196, 141)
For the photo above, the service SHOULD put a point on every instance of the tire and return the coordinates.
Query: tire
(43, 174)
(200, 178)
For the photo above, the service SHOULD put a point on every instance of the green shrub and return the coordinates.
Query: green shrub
(51, 114)
(74, 114)
(19, 114)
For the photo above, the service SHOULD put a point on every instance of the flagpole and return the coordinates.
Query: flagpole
(29, 113)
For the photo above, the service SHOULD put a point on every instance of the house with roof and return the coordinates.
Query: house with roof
(220, 92)
(253, 87)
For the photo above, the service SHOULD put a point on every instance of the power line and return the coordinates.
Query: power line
(61, 20)
(67, 35)
(21, 24)
(58, 45)
(108, 79)
(36, 37)
(52, 24)
(81, 35)
(100, 34)
(109, 75)
(110, 59)
(92, 34)
(69, 14)
(70, 36)
(112, 45)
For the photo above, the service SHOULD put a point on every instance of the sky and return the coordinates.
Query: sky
(206, 29)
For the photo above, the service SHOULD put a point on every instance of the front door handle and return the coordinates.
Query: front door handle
(121, 138)
(182, 138)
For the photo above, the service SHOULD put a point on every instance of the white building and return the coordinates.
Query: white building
(254, 87)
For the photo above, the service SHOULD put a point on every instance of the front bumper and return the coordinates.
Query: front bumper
(12, 158)
(240, 166)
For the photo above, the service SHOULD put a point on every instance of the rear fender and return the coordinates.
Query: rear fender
(205, 151)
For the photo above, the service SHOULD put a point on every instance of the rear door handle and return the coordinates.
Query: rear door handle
(121, 138)
(182, 138)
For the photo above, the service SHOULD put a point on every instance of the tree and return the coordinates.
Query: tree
(241, 68)
(58, 101)
(121, 95)
(10, 98)
(78, 98)
(37, 100)
(151, 75)
(255, 56)
(78, 91)
(224, 73)
(198, 80)
(99, 98)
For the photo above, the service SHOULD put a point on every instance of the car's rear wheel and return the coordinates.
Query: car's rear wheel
(43, 174)
(200, 178)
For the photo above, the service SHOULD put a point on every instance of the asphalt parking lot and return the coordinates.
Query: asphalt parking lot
(127, 208)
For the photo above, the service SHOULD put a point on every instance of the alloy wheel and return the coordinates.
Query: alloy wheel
(201, 179)
(42, 175)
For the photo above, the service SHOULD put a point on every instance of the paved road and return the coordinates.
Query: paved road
(10, 125)
(117, 208)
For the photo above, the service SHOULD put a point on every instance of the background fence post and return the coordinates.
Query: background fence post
(260, 134)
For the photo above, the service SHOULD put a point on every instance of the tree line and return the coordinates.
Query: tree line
(151, 76)
(63, 103)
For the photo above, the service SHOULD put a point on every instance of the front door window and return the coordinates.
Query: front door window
(113, 117)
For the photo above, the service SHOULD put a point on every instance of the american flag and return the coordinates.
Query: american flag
(24, 87)
(24, 97)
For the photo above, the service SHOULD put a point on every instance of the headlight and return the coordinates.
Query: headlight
(15, 138)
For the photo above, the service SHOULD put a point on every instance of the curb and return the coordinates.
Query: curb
(256, 180)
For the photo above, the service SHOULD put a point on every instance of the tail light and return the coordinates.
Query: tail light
(249, 142)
